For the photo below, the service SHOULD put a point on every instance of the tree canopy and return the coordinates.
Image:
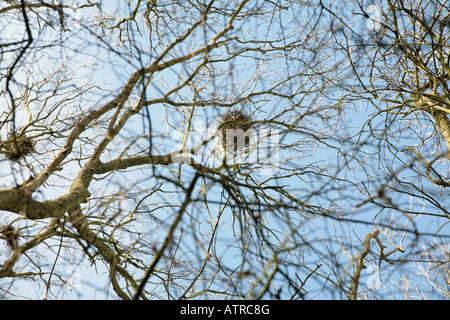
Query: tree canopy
(224, 149)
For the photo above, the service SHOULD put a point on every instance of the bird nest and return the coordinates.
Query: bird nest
(233, 127)
(10, 235)
(17, 147)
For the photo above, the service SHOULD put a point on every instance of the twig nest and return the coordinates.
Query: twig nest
(233, 127)
(17, 147)
(10, 235)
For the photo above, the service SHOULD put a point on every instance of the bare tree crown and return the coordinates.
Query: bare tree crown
(224, 149)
